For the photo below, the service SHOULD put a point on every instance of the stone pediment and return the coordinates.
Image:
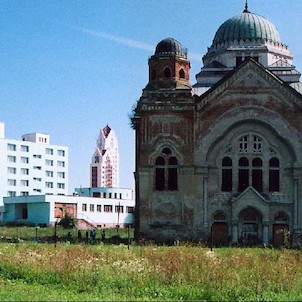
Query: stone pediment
(251, 194)
(250, 198)
(249, 78)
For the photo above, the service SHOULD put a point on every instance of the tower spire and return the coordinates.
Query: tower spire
(246, 10)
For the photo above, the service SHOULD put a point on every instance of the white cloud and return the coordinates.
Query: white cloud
(119, 40)
(132, 43)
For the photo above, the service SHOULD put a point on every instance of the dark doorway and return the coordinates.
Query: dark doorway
(280, 234)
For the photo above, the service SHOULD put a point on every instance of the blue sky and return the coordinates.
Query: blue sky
(70, 67)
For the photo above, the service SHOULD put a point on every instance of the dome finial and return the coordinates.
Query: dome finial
(246, 7)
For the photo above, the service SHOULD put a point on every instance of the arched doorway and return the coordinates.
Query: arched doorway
(220, 229)
(280, 230)
(250, 226)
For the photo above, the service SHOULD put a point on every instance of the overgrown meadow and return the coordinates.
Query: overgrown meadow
(79, 271)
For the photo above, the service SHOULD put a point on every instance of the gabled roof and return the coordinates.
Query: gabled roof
(249, 64)
(252, 191)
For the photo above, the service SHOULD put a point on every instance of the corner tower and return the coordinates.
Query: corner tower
(169, 67)
(163, 122)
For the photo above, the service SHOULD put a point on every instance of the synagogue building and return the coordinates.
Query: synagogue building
(221, 158)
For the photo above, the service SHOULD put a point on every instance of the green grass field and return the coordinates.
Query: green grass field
(85, 272)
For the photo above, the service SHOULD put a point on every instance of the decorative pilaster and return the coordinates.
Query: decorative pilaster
(234, 231)
(265, 233)
(205, 201)
(295, 216)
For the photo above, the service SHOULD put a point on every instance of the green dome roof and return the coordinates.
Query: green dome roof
(246, 26)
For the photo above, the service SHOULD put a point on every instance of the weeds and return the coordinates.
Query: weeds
(107, 272)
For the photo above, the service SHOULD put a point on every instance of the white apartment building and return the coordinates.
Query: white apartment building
(104, 167)
(32, 166)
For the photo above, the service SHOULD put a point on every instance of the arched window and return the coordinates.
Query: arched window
(243, 174)
(257, 182)
(227, 175)
(181, 73)
(166, 171)
(160, 173)
(153, 75)
(219, 216)
(281, 217)
(167, 72)
(274, 175)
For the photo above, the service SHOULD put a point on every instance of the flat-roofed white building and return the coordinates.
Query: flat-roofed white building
(89, 212)
(32, 166)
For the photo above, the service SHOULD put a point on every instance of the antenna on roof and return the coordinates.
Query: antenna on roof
(246, 7)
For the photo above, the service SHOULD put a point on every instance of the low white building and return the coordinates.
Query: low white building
(32, 166)
(89, 211)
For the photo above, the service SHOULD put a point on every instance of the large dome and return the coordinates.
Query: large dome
(170, 45)
(246, 26)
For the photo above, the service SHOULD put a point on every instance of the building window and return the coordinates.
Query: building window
(11, 193)
(49, 184)
(24, 171)
(105, 195)
(11, 147)
(24, 182)
(166, 171)
(49, 162)
(274, 175)
(49, 151)
(24, 193)
(37, 156)
(96, 194)
(11, 158)
(37, 167)
(24, 148)
(249, 166)
(257, 181)
(243, 174)
(181, 73)
(24, 160)
(61, 185)
(153, 74)
(108, 208)
(11, 170)
(37, 190)
(61, 175)
(91, 208)
(84, 207)
(61, 163)
(98, 208)
(110, 195)
(167, 72)
(61, 153)
(49, 173)
(94, 177)
(119, 209)
(11, 182)
(130, 210)
(227, 174)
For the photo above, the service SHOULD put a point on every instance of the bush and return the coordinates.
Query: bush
(67, 222)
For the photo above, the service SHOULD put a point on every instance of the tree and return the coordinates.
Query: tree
(67, 222)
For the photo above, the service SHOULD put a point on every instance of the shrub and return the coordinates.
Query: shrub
(67, 222)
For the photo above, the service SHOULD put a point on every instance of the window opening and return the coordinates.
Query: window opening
(166, 171)
(167, 72)
(227, 174)
(274, 175)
